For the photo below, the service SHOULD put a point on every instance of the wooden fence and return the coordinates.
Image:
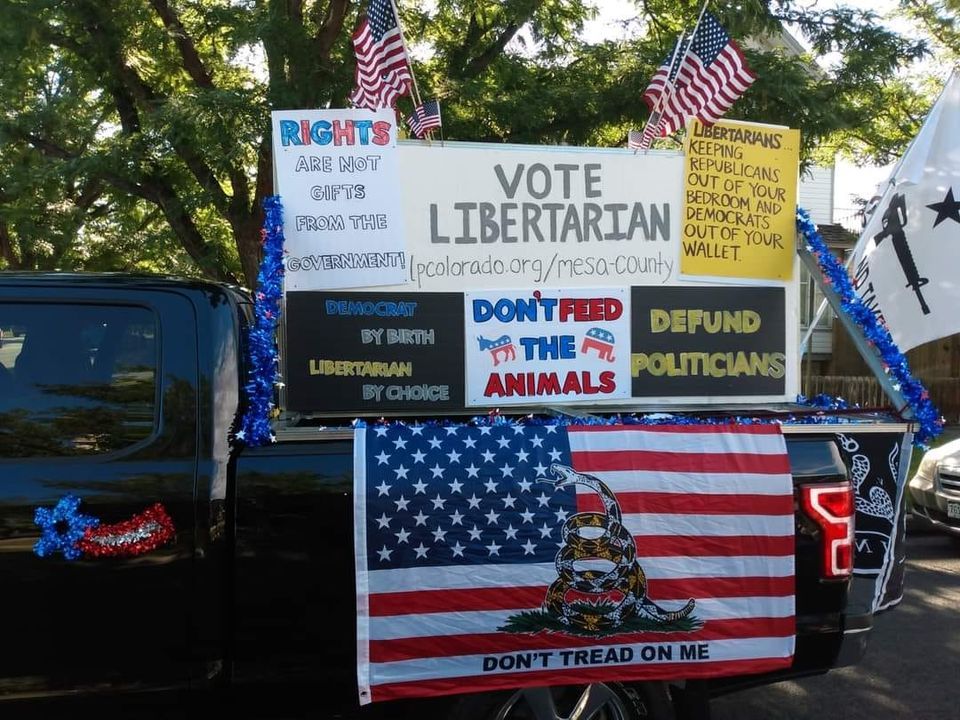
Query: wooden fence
(865, 391)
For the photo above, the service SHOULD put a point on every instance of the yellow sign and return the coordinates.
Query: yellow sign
(740, 200)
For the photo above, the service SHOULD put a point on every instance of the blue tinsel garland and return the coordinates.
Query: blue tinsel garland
(820, 411)
(835, 275)
(255, 428)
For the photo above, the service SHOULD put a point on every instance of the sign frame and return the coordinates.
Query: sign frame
(416, 204)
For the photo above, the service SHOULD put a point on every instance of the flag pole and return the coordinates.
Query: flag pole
(406, 51)
(867, 350)
(440, 113)
(703, 11)
(661, 101)
(656, 109)
(686, 51)
(815, 320)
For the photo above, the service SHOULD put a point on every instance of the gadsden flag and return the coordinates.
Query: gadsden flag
(517, 555)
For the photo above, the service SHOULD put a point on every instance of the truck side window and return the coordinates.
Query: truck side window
(76, 379)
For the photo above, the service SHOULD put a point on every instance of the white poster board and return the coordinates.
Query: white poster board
(481, 216)
(495, 220)
(337, 173)
(554, 346)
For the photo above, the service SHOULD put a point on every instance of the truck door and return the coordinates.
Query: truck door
(98, 419)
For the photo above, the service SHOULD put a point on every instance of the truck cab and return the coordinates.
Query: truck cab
(110, 391)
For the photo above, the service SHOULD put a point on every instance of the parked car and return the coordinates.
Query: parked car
(935, 488)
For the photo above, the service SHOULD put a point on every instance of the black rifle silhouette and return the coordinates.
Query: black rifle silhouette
(894, 219)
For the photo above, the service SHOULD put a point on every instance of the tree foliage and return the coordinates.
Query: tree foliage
(135, 133)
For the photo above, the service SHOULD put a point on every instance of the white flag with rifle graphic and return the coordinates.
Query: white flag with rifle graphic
(906, 264)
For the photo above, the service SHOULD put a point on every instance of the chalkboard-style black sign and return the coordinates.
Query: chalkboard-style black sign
(350, 352)
(708, 341)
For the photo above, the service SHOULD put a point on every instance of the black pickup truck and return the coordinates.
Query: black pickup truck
(123, 391)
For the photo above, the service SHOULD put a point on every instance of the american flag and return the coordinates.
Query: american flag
(642, 140)
(425, 117)
(709, 76)
(457, 533)
(383, 68)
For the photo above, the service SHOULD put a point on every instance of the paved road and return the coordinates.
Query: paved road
(912, 667)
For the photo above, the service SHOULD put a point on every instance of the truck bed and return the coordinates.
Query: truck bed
(294, 568)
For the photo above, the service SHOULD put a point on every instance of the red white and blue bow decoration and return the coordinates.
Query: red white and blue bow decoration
(66, 530)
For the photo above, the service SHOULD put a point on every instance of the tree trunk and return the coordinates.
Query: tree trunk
(6, 247)
(247, 234)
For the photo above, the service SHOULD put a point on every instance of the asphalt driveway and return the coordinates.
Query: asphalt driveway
(912, 667)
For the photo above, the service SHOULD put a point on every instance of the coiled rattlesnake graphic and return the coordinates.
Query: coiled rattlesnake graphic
(877, 503)
(602, 598)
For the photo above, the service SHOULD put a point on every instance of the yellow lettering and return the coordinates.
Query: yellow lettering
(638, 363)
(678, 320)
(732, 321)
(694, 319)
(360, 368)
(777, 363)
(741, 366)
(759, 364)
(712, 365)
(657, 364)
(659, 320)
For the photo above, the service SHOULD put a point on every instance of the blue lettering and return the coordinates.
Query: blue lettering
(526, 310)
(548, 304)
(290, 133)
(363, 128)
(529, 343)
(482, 310)
(505, 310)
(366, 307)
(320, 132)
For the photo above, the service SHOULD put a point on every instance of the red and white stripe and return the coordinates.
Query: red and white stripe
(711, 511)
(708, 92)
(383, 69)
(699, 91)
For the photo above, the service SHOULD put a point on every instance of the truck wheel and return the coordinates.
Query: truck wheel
(597, 701)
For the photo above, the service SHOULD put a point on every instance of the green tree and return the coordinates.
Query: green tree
(135, 133)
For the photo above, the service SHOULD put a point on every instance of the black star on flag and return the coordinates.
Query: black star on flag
(949, 208)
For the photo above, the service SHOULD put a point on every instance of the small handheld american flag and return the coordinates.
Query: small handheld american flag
(424, 118)
(637, 140)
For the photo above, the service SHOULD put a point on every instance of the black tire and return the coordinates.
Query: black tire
(616, 701)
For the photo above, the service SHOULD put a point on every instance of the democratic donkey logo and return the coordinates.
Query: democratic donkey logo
(503, 345)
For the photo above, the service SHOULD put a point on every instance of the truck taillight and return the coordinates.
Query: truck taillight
(831, 507)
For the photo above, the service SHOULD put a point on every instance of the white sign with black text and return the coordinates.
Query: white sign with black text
(337, 174)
